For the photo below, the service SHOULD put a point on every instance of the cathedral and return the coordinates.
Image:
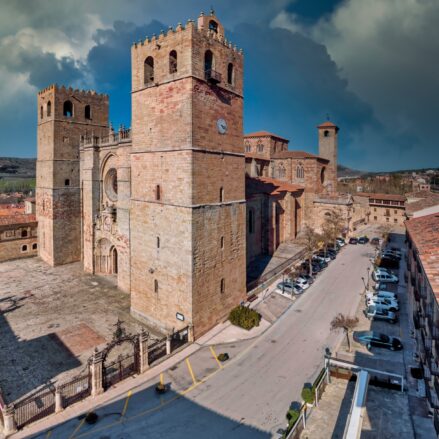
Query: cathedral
(176, 207)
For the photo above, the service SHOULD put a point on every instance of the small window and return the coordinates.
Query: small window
(375, 218)
(173, 61)
(213, 26)
(221, 194)
(67, 182)
(24, 248)
(156, 286)
(49, 109)
(149, 70)
(322, 175)
(41, 112)
(395, 220)
(374, 209)
(158, 194)
(222, 242)
(208, 61)
(251, 221)
(87, 112)
(230, 74)
(260, 147)
(223, 286)
(24, 233)
(248, 147)
(34, 246)
(158, 242)
(326, 133)
(387, 219)
(68, 109)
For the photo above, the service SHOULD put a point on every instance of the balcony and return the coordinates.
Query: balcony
(212, 77)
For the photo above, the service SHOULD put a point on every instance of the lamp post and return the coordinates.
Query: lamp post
(364, 283)
(368, 278)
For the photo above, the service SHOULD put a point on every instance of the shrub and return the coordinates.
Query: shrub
(223, 357)
(308, 394)
(244, 317)
(292, 416)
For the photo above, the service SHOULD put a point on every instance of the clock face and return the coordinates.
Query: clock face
(222, 126)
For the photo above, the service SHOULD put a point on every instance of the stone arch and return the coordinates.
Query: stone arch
(109, 162)
(106, 257)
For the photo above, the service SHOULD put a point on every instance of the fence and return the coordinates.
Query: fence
(76, 389)
(35, 407)
(156, 350)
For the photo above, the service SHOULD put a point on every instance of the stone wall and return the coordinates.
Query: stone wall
(13, 245)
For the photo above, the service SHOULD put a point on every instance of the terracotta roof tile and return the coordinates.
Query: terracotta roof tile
(264, 134)
(391, 197)
(296, 155)
(327, 124)
(270, 186)
(252, 155)
(17, 219)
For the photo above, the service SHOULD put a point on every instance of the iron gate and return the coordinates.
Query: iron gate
(34, 407)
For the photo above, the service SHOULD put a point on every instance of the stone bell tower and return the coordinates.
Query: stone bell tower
(64, 115)
(188, 188)
(328, 145)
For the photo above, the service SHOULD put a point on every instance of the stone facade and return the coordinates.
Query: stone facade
(386, 209)
(18, 236)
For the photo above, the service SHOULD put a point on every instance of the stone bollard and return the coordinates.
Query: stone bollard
(96, 374)
(9, 425)
(168, 344)
(59, 402)
(143, 350)
(190, 334)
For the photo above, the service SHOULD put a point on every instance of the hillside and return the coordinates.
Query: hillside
(11, 167)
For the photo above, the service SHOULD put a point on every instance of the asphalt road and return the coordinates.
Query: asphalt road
(249, 397)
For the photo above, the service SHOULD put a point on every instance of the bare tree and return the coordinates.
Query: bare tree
(310, 240)
(327, 236)
(334, 224)
(346, 323)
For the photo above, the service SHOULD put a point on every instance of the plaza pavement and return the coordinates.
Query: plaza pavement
(247, 396)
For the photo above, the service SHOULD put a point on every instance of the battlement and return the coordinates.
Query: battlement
(123, 135)
(69, 90)
(202, 27)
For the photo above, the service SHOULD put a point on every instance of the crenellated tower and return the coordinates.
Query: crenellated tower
(187, 170)
(64, 116)
(328, 133)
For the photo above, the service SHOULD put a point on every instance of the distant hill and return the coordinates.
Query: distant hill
(12, 167)
(344, 171)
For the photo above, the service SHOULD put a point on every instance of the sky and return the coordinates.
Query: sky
(372, 66)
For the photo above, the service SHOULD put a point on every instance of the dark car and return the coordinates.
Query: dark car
(328, 254)
(375, 241)
(363, 240)
(372, 339)
(386, 262)
(353, 241)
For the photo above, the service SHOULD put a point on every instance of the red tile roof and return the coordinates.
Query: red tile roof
(252, 155)
(296, 155)
(327, 124)
(391, 197)
(264, 134)
(270, 186)
(424, 233)
(17, 219)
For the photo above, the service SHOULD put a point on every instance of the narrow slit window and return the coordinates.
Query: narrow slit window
(68, 109)
(156, 286)
(230, 74)
(173, 62)
(49, 109)
(87, 112)
(158, 193)
(149, 70)
(221, 194)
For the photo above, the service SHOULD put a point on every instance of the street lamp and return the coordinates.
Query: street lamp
(368, 278)
(364, 283)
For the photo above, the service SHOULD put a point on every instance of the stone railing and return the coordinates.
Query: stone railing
(115, 137)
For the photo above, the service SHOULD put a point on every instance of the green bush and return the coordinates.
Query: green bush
(292, 416)
(308, 394)
(244, 317)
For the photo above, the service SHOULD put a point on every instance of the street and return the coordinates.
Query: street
(251, 394)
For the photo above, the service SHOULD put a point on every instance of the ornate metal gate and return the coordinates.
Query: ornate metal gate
(120, 357)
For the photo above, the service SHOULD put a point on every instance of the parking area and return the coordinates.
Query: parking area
(51, 319)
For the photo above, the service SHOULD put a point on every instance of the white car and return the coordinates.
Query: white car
(389, 304)
(385, 277)
(341, 242)
(381, 270)
(303, 283)
(382, 294)
(321, 258)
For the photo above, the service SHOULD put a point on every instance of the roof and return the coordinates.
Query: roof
(17, 219)
(252, 155)
(269, 186)
(424, 233)
(296, 155)
(391, 197)
(31, 199)
(327, 124)
(264, 134)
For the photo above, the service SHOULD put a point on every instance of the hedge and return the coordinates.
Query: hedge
(244, 317)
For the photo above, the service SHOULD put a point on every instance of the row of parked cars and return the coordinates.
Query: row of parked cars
(291, 287)
(382, 304)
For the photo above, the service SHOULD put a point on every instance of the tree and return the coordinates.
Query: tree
(327, 235)
(310, 240)
(334, 224)
(346, 323)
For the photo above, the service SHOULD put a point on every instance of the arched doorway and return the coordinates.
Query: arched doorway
(106, 257)
(114, 260)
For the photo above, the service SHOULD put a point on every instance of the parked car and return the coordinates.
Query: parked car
(383, 294)
(375, 241)
(377, 340)
(380, 286)
(353, 241)
(321, 258)
(381, 270)
(363, 240)
(385, 277)
(308, 278)
(386, 262)
(389, 304)
(341, 242)
(288, 289)
(328, 256)
(375, 312)
(390, 255)
(300, 282)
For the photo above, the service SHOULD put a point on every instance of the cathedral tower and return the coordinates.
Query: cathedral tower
(188, 167)
(64, 115)
(328, 133)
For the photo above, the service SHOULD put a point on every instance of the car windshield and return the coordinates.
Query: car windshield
(384, 338)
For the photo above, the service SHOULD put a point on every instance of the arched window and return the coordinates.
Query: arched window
(260, 147)
(300, 172)
(208, 61)
(87, 112)
(230, 74)
(248, 147)
(326, 133)
(149, 70)
(322, 175)
(223, 285)
(24, 233)
(41, 112)
(34, 246)
(213, 26)
(68, 109)
(49, 109)
(24, 248)
(251, 221)
(282, 171)
(158, 193)
(221, 194)
(172, 61)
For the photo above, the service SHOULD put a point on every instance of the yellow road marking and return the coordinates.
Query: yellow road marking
(49, 433)
(162, 381)
(215, 356)
(190, 370)
(125, 407)
(77, 428)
